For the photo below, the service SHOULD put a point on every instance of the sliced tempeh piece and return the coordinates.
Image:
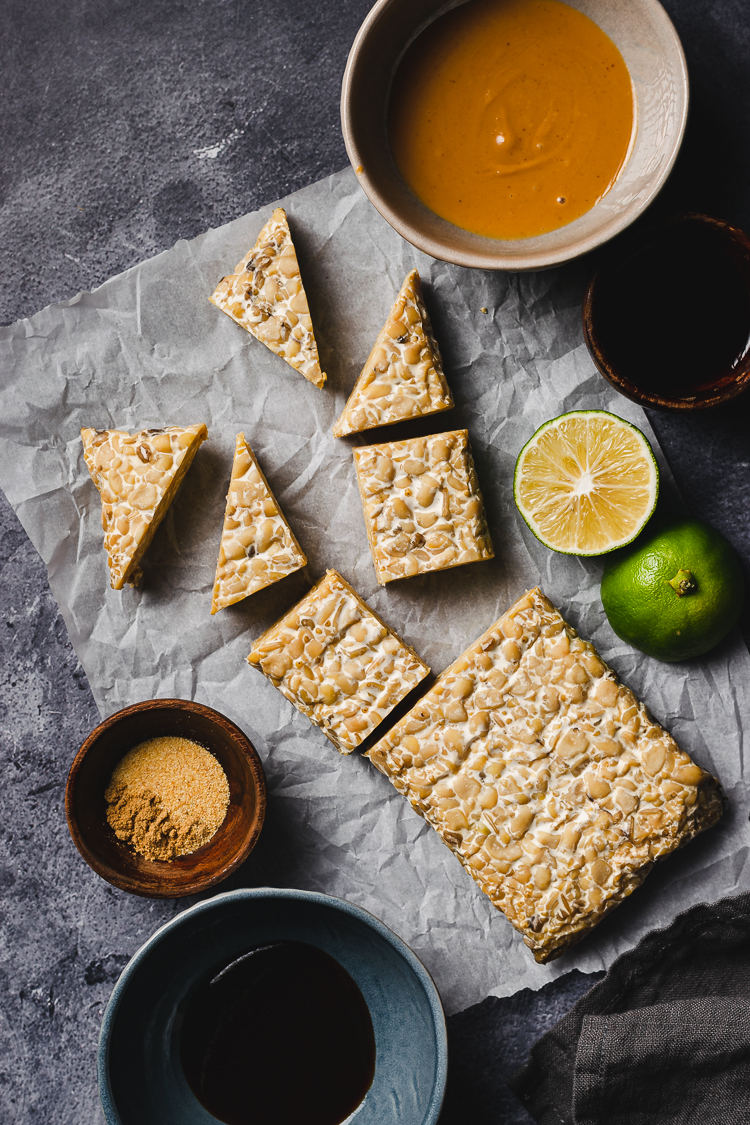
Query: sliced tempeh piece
(258, 546)
(547, 778)
(422, 504)
(266, 296)
(137, 476)
(338, 662)
(403, 376)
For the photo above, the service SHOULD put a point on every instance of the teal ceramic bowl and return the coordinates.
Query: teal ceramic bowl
(140, 1077)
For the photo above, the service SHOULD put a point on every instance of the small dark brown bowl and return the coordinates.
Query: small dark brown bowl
(730, 385)
(118, 862)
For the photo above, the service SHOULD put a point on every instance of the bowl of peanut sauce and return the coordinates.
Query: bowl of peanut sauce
(513, 134)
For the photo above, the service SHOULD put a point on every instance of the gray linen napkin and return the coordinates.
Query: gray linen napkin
(664, 1039)
(643, 1066)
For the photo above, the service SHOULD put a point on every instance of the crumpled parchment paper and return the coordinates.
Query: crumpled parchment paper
(147, 349)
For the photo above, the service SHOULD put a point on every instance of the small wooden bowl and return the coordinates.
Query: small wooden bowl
(118, 862)
(730, 386)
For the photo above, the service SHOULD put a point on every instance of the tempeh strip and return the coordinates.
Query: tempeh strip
(265, 295)
(422, 505)
(137, 476)
(337, 662)
(547, 778)
(403, 376)
(258, 547)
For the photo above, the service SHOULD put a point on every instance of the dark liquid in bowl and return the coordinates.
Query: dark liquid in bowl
(279, 1036)
(674, 317)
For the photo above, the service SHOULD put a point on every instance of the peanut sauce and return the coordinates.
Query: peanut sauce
(511, 118)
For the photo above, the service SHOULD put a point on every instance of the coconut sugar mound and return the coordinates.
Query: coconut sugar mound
(167, 797)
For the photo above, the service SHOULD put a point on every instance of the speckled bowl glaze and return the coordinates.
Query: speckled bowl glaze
(140, 1077)
(653, 54)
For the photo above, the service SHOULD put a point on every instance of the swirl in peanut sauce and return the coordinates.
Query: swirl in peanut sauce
(511, 117)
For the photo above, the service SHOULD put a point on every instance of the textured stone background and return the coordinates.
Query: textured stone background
(128, 124)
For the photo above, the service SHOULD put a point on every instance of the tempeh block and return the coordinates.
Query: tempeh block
(137, 476)
(265, 295)
(422, 504)
(547, 778)
(403, 376)
(338, 662)
(258, 547)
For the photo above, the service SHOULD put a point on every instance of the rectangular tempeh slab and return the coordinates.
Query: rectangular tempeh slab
(422, 504)
(337, 662)
(547, 779)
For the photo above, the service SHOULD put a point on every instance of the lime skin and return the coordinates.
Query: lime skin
(675, 592)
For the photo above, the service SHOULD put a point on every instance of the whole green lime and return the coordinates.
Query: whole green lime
(675, 592)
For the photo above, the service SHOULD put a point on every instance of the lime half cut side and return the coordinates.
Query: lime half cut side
(586, 483)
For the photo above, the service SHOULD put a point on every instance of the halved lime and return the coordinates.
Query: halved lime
(586, 483)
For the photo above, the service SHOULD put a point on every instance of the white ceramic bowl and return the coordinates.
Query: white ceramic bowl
(649, 44)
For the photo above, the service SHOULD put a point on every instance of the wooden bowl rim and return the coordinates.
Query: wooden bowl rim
(237, 738)
(650, 399)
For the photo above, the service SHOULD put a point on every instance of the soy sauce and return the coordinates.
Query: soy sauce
(673, 317)
(279, 1036)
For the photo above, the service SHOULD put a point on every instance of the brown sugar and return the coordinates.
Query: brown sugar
(167, 797)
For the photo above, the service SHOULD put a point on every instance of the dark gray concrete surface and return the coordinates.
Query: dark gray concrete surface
(127, 124)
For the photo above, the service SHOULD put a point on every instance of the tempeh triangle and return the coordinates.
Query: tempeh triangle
(137, 476)
(258, 547)
(403, 376)
(266, 296)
